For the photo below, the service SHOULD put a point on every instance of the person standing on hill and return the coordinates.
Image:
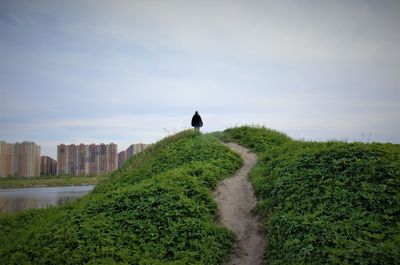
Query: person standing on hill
(196, 121)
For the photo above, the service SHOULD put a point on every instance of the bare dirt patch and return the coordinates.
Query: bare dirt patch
(235, 200)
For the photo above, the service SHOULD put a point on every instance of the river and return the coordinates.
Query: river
(16, 200)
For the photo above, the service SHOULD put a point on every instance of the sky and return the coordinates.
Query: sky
(136, 71)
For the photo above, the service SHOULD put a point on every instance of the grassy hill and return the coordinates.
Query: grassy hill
(322, 203)
(325, 203)
(156, 209)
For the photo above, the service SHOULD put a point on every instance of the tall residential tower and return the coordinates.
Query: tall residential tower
(19, 159)
(86, 159)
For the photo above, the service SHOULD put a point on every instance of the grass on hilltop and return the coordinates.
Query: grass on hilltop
(156, 209)
(326, 202)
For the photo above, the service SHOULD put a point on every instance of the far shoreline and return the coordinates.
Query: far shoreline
(48, 181)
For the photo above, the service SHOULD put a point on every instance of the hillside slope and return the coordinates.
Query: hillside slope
(325, 203)
(156, 209)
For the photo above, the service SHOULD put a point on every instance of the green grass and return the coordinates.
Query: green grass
(156, 209)
(48, 181)
(325, 203)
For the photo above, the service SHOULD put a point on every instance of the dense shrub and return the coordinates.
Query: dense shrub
(325, 203)
(156, 209)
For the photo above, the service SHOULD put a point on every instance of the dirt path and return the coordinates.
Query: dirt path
(235, 200)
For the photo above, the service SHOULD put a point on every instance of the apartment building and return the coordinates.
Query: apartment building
(86, 159)
(19, 159)
(48, 166)
(135, 148)
(122, 157)
(132, 150)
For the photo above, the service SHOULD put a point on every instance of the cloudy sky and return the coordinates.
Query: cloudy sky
(135, 71)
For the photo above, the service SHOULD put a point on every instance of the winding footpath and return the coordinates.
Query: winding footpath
(235, 200)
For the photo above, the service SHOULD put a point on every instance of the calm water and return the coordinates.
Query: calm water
(15, 200)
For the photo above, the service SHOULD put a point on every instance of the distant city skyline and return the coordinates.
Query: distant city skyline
(136, 71)
(24, 159)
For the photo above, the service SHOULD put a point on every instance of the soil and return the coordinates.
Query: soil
(235, 200)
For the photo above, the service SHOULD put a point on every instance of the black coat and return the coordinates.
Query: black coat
(196, 121)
